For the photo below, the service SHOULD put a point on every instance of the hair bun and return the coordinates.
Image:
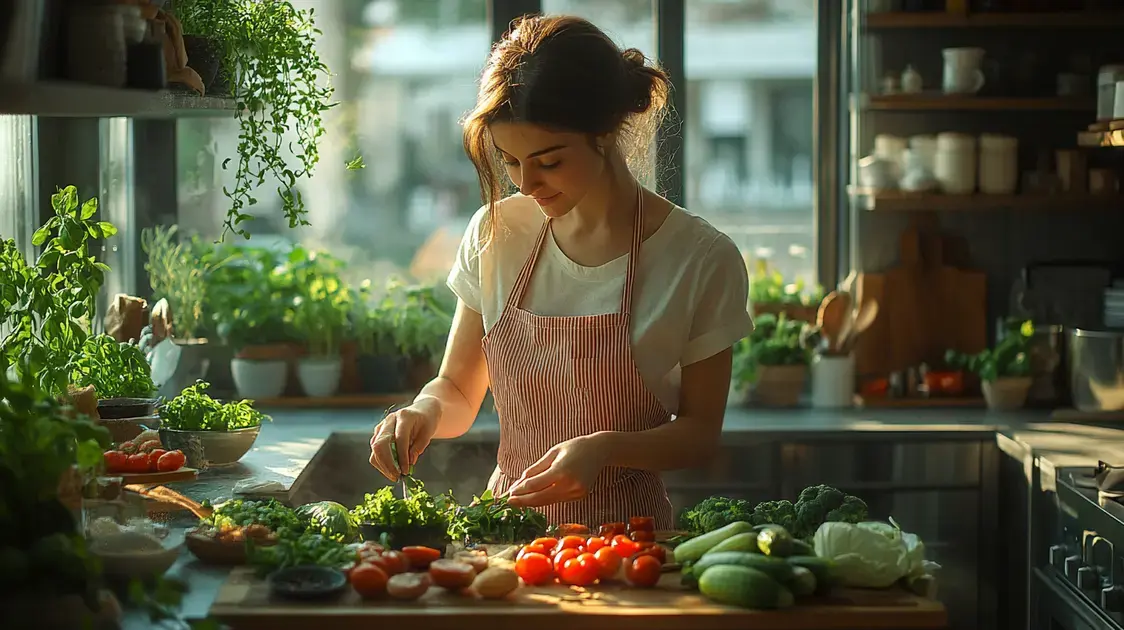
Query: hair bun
(638, 81)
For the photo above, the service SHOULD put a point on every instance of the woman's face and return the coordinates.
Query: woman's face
(557, 169)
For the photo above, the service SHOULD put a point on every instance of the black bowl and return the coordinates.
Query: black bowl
(120, 408)
(432, 536)
(307, 582)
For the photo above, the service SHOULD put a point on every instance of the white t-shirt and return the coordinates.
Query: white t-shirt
(688, 304)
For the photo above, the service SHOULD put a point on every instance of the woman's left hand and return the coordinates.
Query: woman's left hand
(565, 473)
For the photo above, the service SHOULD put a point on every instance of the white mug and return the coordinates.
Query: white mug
(962, 74)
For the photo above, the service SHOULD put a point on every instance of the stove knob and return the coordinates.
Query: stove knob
(1112, 599)
(1057, 556)
(1072, 564)
(1088, 579)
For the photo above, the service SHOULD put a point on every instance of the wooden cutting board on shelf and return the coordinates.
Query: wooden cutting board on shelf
(244, 602)
(155, 478)
(926, 306)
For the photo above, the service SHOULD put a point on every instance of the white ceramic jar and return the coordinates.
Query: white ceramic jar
(956, 163)
(891, 149)
(999, 164)
(924, 148)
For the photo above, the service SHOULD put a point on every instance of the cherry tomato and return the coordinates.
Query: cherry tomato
(642, 524)
(534, 568)
(172, 460)
(561, 557)
(643, 570)
(594, 543)
(391, 562)
(608, 530)
(659, 552)
(573, 529)
(547, 543)
(137, 463)
(115, 461)
(368, 580)
(153, 457)
(581, 570)
(421, 557)
(534, 548)
(571, 542)
(609, 562)
(451, 574)
(641, 535)
(624, 546)
(408, 586)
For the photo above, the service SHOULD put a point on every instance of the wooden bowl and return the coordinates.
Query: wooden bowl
(219, 553)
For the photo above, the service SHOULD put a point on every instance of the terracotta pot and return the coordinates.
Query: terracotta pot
(780, 385)
(1007, 394)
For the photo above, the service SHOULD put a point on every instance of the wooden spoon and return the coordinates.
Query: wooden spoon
(832, 316)
(863, 319)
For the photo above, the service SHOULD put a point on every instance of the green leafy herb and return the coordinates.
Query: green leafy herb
(178, 272)
(421, 509)
(273, 514)
(194, 410)
(492, 520)
(115, 369)
(307, 549)
(355, 163)
(323, 302)
(768, 286)
(1009, 357)
(775, 340)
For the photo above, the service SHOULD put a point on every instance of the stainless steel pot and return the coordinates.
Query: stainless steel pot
(1095, 359)
(1046, 350)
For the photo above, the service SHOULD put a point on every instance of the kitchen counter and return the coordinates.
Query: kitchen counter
(286, 445)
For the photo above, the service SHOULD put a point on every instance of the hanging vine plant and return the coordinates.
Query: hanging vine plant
(281, 86)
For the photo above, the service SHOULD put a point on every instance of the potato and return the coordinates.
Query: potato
(495, 583)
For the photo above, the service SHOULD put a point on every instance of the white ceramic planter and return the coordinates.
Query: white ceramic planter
(833, 381)
(320, 376)
(1006, 394)
(259, 379)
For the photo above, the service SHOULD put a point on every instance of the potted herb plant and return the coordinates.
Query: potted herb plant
(769, 293)
(207, 431)
(378, 363)
(120, 375)
(269, 59)
(776, 361)
(1004, 370)
(320, 319)
(421, 321)
(417, 520)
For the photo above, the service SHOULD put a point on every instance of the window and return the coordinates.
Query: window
(17, 179)
(115, 202)
(748, 125)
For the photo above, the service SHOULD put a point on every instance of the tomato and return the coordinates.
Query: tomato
(608, 530)
(477, 559)
(581, 570)
(547, 543)
(572, 542)
(608, 561)
(534, 568)
(115, 461)
(594, 543)
(408, 586)
(451, 574)
(421, 557)
(172, 460)
(391, 562)
(573, 529)
(137, 463)
(561, 557)
(659, 552)
(624, 546)
(642, 524)
(534, 548)
(368, 580)
(643, 570)
(153, 457)
(642, 535)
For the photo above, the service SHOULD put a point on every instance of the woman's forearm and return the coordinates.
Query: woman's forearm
(443, 400)
(682, 443)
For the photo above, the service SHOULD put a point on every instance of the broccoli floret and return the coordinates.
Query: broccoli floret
(820, 504)
(853, 510)
(827, 497)
(781, 513)
(715, 512)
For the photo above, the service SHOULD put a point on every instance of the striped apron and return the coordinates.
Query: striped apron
(558, 378)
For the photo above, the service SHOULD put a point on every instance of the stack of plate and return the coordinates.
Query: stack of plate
(1114, 305)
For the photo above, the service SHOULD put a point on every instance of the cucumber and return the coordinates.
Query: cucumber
(740, 542)
(694, 548)
(688, 578)
(822, 568)
(775, 568)
(803, 582)
(801, 548)
(743, 586)
(775, 541)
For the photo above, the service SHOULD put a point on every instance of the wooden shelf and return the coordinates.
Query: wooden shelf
(1113, 138)
(935, 101)
(898, 201)
(343, 401)
(942, 19)
(62, 99)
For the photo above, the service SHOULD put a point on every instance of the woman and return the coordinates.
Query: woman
(595, 309)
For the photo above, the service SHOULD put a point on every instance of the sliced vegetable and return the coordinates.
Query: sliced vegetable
(408, 586)
(368, 580)
(451, 574)
(421, 557)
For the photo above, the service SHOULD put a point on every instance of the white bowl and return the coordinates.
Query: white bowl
(122, 558)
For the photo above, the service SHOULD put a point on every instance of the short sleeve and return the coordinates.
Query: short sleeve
(721, 306)
(465, 279)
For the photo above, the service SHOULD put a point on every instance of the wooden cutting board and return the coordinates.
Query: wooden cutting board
(957, 304)
(244, 602)
(155, 478)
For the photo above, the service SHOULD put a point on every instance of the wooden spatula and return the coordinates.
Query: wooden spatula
(833, 314)
(863, 319)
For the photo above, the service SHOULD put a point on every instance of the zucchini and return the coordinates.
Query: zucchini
(694, 548)
(822, 568)
(803, 582)
(740, 542)
(775, 541)
(743, 586)
(775, 568)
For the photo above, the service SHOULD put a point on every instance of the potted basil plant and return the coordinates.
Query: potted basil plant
(1004, 370)
(775, 360)
(372, 325)
(320, 319)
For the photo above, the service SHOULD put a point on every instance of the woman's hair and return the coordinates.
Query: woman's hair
(564, 73)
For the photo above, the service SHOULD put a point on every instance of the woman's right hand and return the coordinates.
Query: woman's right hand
(410, 431)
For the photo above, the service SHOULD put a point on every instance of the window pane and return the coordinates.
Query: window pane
(115, 204)
(748, 127)
(18, 213)
(631, 23)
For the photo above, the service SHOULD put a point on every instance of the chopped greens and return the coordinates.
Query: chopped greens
(306, 549)
(272, 513)
(491, 520)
